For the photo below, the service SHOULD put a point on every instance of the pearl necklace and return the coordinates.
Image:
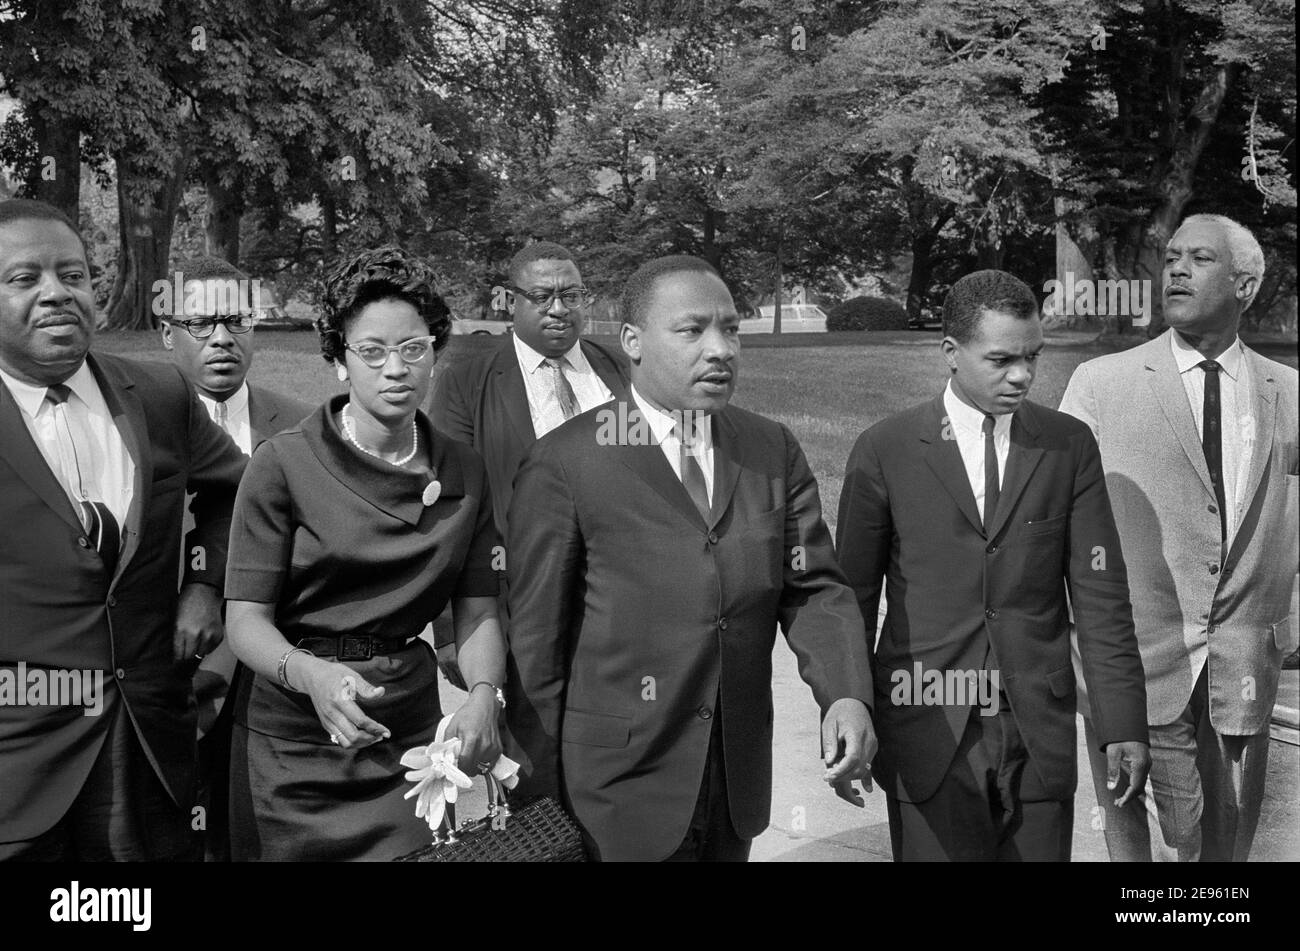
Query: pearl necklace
(352, 438)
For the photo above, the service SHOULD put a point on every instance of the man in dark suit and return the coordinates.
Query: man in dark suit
(97, 456)
(503, 400)
(212, 344)
(979, 510)
(655, 544)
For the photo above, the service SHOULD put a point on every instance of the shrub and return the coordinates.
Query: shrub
(867, 313)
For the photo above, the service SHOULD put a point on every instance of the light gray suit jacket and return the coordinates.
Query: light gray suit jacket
(1193, 602)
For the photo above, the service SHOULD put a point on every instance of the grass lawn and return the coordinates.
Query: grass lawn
(826, 387)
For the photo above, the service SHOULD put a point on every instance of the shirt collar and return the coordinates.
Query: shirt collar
(1188, 357)
(29, 397)
(967, 417)
(234, 404)
(663, 424)
(531, 361)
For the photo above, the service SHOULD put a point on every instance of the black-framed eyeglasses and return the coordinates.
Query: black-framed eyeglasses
(571, 297)
(200, 328)
(375, 355)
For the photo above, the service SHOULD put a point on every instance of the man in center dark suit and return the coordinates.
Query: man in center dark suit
(96, 456)
(503, 400)
(655, 544)
(212, 344)
(979, 510)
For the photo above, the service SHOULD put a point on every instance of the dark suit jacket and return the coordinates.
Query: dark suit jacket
(908, 516)
(632, 617)
(270, 413)
(62, 610)
(482, 401)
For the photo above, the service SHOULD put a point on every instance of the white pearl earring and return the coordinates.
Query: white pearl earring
(342, 372)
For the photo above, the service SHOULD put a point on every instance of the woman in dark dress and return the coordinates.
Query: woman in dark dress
(351, 532)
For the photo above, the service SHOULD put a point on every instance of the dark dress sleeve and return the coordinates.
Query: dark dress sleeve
(261, 532)
(478, 577)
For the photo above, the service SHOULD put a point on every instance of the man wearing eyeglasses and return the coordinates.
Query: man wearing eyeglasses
(504, 400)
(212, 344)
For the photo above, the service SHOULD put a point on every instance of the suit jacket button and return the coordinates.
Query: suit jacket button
(120, 674)
(706, 713)
(990, 613)
(112, 601)
(1213, 510)
(713, 538)
(722, 623)
(991, 549)
(1214, 569)
(83, 541)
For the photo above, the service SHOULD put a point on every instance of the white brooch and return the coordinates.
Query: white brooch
(431, 492)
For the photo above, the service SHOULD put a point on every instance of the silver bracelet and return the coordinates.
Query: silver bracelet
(284, 660)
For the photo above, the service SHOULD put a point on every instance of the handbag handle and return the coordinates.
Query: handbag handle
(497, 801)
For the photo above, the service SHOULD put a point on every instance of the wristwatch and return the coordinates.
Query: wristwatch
(501, 697)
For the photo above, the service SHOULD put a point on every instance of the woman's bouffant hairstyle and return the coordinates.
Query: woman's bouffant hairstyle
(379, 274)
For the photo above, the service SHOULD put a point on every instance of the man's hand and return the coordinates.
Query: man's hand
(848, 746)
(198, 623)
(1137, 758)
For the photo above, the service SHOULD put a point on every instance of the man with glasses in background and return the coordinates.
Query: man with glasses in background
(505, 399)
(212, 345)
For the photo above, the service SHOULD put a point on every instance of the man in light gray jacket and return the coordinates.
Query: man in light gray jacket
(1198, 439)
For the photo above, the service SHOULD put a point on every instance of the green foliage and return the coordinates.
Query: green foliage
(867, 313)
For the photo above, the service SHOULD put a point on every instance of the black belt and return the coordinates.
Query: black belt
(353, 647)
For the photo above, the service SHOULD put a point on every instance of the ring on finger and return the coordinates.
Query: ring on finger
(334, 738)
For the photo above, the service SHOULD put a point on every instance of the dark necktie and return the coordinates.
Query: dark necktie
(223, 416)
(1212, 438)
(692, 471)
(991, 482)
(100, 524)
(563, 389)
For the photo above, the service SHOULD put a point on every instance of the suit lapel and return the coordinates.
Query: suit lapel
(944, 459)
(728, 454)
(1023, 457)
(646, 459)
(514, 396)
(128, 416)
(263, 427)
(1265, 413)
(1167, 386)
(25, 458)
(605, 369)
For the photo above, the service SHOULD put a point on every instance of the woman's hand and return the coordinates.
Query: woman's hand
(476, 725)
(335, 690)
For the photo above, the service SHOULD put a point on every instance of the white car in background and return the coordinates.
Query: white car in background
(795, 319)
(470, 325)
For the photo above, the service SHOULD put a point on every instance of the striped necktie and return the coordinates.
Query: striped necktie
(99, 522)
(564, 394)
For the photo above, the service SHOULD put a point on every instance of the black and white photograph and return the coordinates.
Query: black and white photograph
(576, 431)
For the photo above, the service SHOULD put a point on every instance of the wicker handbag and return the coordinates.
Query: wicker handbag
(534, 830)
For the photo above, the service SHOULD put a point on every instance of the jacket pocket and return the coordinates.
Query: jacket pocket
(1284, 635)
(1044, 526)
(1061, 681)
(595, 729)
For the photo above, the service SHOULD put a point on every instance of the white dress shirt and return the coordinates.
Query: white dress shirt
(237, 422)
(1236, 416)
(968, 429)
(109, 476)
(539, 382)
(664, 428)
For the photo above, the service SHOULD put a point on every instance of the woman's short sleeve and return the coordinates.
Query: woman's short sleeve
(261, 531)
(478, 577)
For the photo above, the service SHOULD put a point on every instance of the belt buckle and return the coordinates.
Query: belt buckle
(354, 648)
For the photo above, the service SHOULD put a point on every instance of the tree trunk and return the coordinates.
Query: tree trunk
(146, 216)
(225, 212)
(779, 280)
(709, 250)
(923, 240)
(1175, 184)
(56, 179)
(329, 227)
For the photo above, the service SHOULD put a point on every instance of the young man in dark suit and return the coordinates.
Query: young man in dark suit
(979, 511)
(98, 454)
(503, 400)
(212, 343)
(655, 544)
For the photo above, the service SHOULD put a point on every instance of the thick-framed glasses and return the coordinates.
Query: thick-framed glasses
(375, 355)
(572, 297)
(200, 328)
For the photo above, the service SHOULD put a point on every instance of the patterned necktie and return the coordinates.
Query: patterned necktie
(223, 416)
(96, 518)
(564, 394)
(1212, 438)
(692, 471)
(991, 481)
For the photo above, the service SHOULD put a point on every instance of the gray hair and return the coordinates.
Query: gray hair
(1247, 255)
